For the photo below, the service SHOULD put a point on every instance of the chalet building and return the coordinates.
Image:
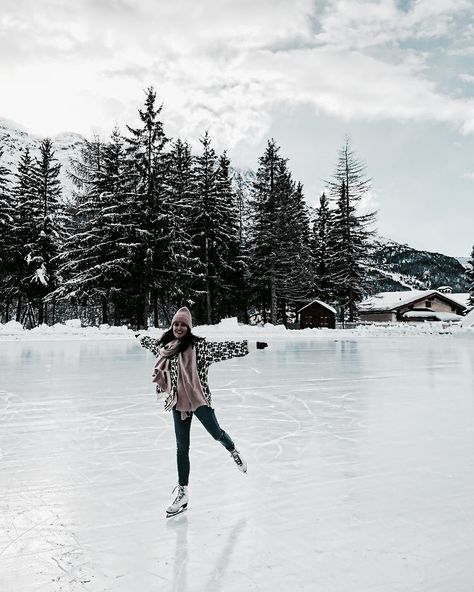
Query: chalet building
(414, 306)
(317, 314)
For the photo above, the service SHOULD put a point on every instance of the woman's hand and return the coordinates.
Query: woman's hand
(261, 345)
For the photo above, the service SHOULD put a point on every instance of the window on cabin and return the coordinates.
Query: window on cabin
(428, 304)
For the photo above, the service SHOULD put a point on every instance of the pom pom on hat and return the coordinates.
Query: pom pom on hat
(183, 315)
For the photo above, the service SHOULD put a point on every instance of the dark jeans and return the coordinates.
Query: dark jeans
(182, 428)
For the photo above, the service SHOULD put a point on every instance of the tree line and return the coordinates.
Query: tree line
(470, 277)
(151, 226)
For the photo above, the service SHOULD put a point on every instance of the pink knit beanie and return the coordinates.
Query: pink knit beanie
(183, 315)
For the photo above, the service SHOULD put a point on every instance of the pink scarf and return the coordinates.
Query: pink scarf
(189, 385)
(161, 371)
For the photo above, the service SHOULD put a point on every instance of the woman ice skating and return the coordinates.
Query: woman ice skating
(180, 372)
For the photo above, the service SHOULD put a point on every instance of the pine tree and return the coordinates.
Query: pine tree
(214, 228)
(45, 242)
(242, 191)
(351, 231)
(147, 163)
(6, 222)
(232, 266)
(280, 252)
(470, 278)
(95, 261)
(243, 187)
(294, 239)
(25, 220)
(322, 251)
(85, 172)
(263, 238)
(181, 266)
(6, 207)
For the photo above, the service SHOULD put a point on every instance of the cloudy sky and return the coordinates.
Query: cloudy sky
(397, 76)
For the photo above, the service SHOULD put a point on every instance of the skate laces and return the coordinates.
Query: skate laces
(180, 493)
(236, 456)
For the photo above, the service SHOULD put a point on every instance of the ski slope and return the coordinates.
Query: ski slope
(360, 479)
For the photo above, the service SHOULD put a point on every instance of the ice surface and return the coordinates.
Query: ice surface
(361, 470)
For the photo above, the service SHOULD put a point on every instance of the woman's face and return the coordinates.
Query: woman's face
(180, 329)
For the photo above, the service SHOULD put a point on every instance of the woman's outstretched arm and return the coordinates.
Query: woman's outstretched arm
(217, 351)
(149, 343)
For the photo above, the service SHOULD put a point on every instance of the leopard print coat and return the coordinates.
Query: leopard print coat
(207, 352)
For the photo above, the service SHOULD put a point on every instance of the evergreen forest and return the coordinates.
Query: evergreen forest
(152, 226)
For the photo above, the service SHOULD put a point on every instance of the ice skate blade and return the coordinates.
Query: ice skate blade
(180, 511)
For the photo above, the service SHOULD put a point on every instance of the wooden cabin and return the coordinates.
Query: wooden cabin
(394, 306)
(317, 314)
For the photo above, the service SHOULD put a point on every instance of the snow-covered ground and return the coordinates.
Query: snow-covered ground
(228, 329)
(361, 467)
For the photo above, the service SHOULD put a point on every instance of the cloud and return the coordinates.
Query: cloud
(352, 85)
(466, 77)
(224, 65)
(358, 24)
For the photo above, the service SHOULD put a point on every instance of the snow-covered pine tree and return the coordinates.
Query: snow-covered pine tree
(48, 236)
(180, 261)
(24, 227)
(6, 221)
(231, 280)
(95, 262)
(120, 240)
(470, 278)
(280, 256)
(351, 231)
(243, 188)
(263, 232)
(85, 172)
(147, 170)
(322, 250)
(6, 206)
(293, 272)
(298, 234)
(214, 227)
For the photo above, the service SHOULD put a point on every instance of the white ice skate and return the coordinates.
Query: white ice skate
(239, 461)
(180, 502)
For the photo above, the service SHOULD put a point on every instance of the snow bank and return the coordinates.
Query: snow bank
(468, 320)
(11, 328)
(229, 329)
(71, 329)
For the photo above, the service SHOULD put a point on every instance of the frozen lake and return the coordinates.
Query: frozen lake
(361, 470)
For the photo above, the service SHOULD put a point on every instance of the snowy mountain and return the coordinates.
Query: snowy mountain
(464, 261)
(399, 267)
(14, 139)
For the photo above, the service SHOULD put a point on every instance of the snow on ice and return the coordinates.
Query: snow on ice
(360, 448)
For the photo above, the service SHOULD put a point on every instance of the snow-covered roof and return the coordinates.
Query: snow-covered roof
(384, 301)
(461, 298)
(329, 307)
(430, 314)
